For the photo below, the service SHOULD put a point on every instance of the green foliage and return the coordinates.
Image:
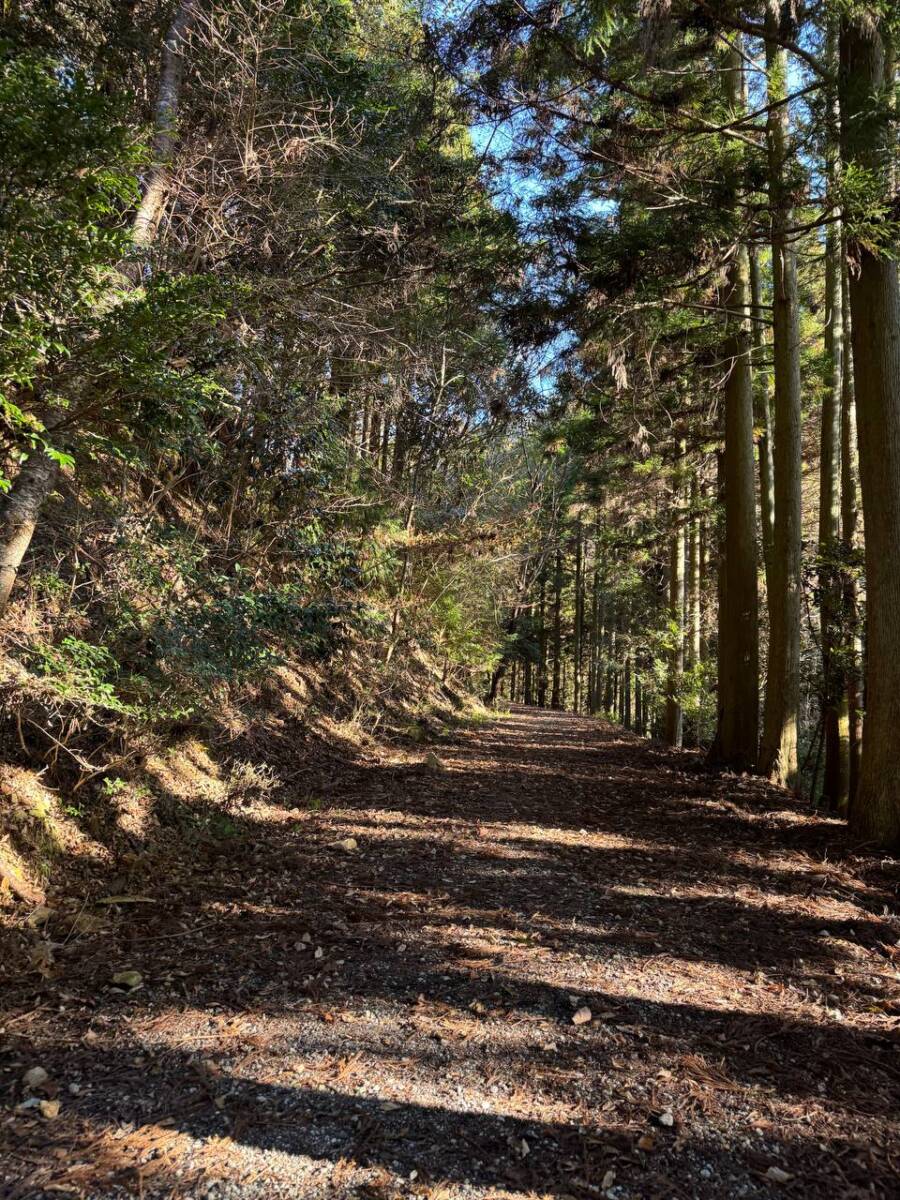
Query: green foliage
(67, 172)
(327, 251)
(872, 221)
(80, 671)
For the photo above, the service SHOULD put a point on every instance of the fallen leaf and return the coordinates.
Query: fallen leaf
(129, 979)
(347, 844)
(608, 1179)
(647, 1142)
(582, 1016)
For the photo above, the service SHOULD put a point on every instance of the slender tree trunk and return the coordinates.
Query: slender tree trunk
(168, 99)
(385, 444)
(638, 722)
(778, 753)
(763, 416)
(556, 693)
(542, 643)
(579, 616)
(852, 642)
(835, 716)
(737, 732)
(693, 601)
(674, 711)
(609, 688)
(374, 434)
(866, 79)
(19, 516)
(695, 593)
(596, 639)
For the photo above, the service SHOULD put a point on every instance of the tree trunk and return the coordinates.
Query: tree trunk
(763, 417)
(865, 81)
(737, 731)
(695, 578)
(674, 711)
(556, 693)
(609, 688)
(168, 98)
(835, 716)
(778, 753)
(693, 602)
(385, 444)
(374, 434)
(19, 515)
(542, 644)
(579, 617)
(596, 640)
(638, 722)
(852, 642)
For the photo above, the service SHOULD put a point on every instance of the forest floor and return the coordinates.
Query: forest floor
(553, 960)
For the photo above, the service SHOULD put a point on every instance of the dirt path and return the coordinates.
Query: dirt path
(396, 1020)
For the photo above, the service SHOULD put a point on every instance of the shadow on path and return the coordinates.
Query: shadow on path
(397, 1019)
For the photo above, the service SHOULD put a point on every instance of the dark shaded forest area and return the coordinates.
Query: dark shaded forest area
(449, 599)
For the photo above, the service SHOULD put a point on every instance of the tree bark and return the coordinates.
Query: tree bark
(778, 753)
(638, 702)
(866, 78)
(695, 579)
(852, 642)
(165, 136)
(835, 716)
(556, 693)
(579, 616)
(763, 418)
(737, 731)
(542, 643)
(609, 690)
(674, 711)
(19, 516)
(596, 638)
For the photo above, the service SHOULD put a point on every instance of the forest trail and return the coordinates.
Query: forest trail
(400, 1019)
